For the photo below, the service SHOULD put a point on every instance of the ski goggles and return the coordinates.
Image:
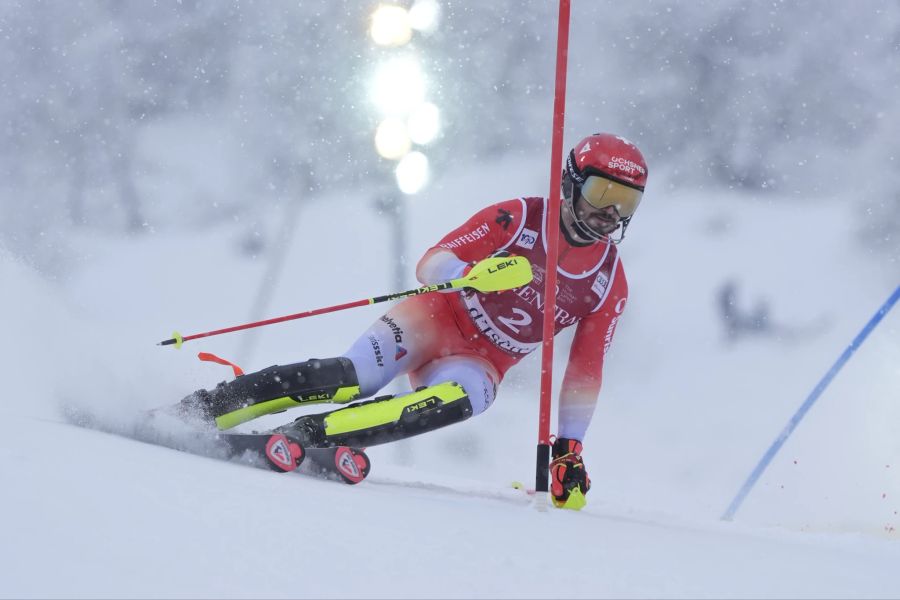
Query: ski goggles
(601, 192)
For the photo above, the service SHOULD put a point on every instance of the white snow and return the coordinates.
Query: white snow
(682, 420)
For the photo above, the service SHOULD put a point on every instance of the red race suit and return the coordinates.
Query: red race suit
(504, 327)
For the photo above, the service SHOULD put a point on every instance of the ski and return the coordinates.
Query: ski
(278, 452)
(343, 463)
(282, 453)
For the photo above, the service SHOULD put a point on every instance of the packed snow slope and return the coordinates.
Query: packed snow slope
(684, 416)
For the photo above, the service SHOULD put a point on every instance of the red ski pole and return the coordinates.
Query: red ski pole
(489, 275)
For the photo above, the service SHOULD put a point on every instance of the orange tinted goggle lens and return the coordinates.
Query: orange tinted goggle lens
(601, 192)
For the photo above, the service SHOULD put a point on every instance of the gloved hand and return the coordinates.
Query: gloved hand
(569, 481)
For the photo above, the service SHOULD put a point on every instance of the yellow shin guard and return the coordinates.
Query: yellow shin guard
(387, 418)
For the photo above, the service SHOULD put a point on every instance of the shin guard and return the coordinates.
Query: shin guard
(385, 419)
(279, 388)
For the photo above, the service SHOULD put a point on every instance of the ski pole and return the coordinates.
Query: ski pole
(489, 275)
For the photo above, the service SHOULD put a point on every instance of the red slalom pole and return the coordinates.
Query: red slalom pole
(542, 471)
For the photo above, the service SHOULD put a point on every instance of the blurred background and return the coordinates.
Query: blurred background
(140, 117)
(199, 164)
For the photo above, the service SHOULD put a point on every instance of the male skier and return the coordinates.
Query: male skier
(456, 347)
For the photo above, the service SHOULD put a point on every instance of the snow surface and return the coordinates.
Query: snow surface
(683, 418)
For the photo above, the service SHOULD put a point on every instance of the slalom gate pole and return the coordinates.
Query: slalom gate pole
(559, 112)
(728, 515)
(489, 275)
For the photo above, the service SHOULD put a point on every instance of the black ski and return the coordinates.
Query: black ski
(282, 453)
(279, 452)
(274, 451)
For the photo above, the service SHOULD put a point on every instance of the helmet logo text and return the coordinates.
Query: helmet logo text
(626, 166)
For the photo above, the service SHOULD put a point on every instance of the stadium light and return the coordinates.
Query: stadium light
(392, 140)
(398, 90)
(424, 123)
(412, 172)
(424, 15)
(391, 25)
(398, 86)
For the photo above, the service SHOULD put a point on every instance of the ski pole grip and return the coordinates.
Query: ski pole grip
(497, 273)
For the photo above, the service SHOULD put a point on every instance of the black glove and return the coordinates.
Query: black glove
(569, 481)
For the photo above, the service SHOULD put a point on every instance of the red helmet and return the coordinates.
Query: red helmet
(607, 170)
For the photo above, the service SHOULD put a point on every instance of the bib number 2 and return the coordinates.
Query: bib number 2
(521, 319)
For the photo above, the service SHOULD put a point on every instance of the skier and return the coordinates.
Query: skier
(456, 347)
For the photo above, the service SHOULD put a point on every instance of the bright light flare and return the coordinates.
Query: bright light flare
(424, 124)
(412, 173)
(391, 139)
(390, 25)
(398, 85)
(424, 15)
